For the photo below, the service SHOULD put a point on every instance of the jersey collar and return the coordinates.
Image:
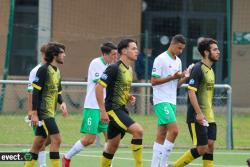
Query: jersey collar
(103, 60)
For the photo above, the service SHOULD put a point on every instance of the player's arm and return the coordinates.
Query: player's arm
(37, 85)
(193, 84)
(107, 78)
(63, 106)
(156, 77)
(29, 93)
(194, 102)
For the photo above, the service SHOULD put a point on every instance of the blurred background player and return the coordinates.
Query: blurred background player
(167, 75)
(45, 96)
(32, 76)
(91, 123)
(200, 115)
(117, 79)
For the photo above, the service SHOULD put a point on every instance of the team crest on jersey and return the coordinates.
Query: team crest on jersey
(191, 82)
(154, 70)
(104, 76)
(97, 74)
(36, 79)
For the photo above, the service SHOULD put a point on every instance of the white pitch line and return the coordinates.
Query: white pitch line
(148, 160)
(174, 152)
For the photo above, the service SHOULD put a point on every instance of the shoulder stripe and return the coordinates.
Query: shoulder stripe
(37, 87)
(192, 88)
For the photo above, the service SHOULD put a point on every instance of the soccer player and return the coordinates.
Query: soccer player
(45, 96)
(167, 75)
(91, 124)
(117, 79)
(32, 76)
(200, 115)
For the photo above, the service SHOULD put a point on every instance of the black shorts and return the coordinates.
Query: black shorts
(119, 122)
(49, 127)
(201, 134)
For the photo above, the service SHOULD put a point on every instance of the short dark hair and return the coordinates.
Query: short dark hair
(53, 49)
(204, 45)
(107, 47)
(179, 38)
(124, 44)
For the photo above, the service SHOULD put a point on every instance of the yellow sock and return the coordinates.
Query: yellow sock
(208, 163)
(185, 159)
(105, 162)
(106, 159)
(137, 153)
(55, 162)
(30, 163)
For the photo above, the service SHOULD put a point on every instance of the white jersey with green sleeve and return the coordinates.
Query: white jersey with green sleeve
(164, 66)
(32, 77)
(96, 68)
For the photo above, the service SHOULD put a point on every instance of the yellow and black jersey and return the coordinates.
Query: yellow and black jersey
(117, 79)
(202, 82)
(46, 91)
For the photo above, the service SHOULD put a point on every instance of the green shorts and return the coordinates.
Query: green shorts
(165, 113)
(91, 123)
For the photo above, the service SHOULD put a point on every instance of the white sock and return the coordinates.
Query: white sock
(168, 147)
(77, 147)
(42, 158)
(157, 154)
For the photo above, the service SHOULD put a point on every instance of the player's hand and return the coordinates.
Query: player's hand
(64, 110)
(188, 70)
(132, 99)
(29, 115)
(104, 116)
(200, 118)
(178, 75)
(34, 119)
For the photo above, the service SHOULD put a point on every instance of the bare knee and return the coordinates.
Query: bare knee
(88, 139)
(202, 149)
(136, 130)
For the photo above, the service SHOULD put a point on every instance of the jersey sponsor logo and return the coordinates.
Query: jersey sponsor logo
(104, 76)
(36, 79)
(191, 82)
(97, 74)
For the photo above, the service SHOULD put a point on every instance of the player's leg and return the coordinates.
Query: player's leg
(136, 143)
(200, 139)
(123, 122)
(55, 138)
(103, 128)
(39, 141)
(208, 157)
(166, 133)
(172, 132)
(90, 122)
(114, 137)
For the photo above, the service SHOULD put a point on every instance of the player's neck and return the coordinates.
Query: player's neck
(54, 63)
(126, 61)
(207, 62)
(171, 54)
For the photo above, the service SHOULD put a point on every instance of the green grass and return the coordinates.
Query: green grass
(15, 131)
(90, 157)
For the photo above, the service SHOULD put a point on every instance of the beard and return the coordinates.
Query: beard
(59, 61)
(211, 58)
